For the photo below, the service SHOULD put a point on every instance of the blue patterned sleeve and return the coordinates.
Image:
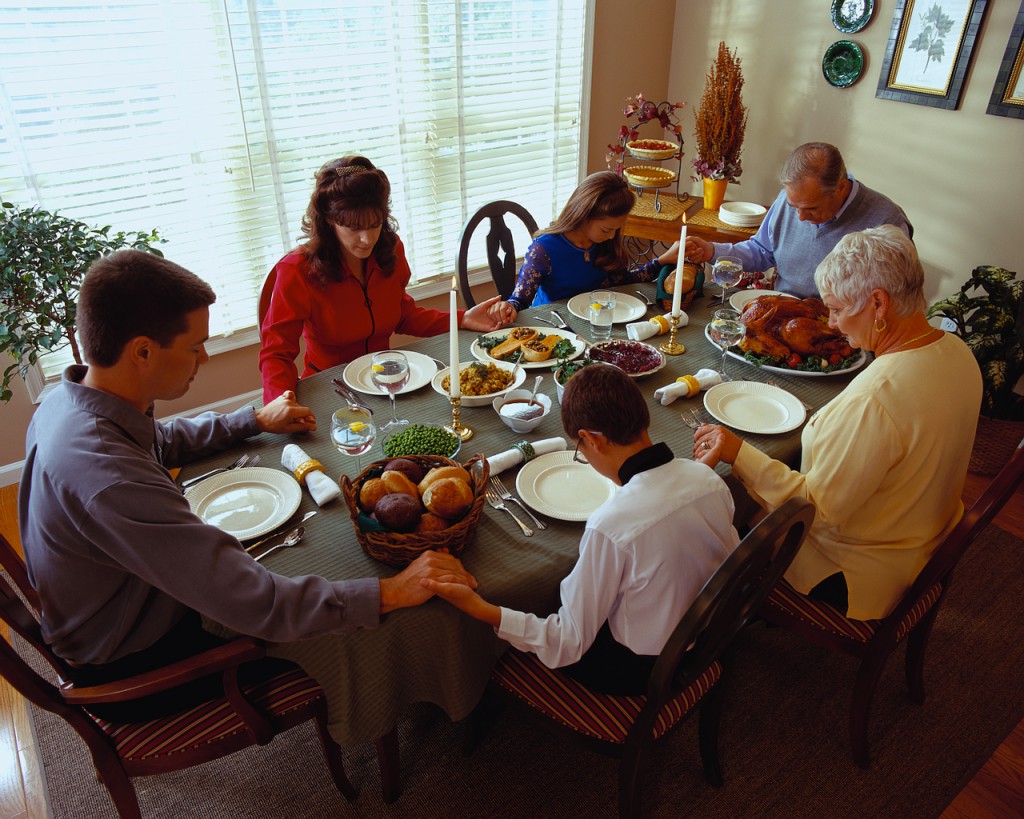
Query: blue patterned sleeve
(536, 267)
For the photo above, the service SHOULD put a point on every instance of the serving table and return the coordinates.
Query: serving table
(434, 653)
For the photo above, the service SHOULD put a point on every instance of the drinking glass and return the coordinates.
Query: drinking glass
(726, 271)
(353, 431)
(602, 306)
(725, 330)
(389, 372)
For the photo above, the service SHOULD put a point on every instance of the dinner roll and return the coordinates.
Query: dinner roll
(371, 491)
(399, 482)
(448, 498)
(439, 472)
(432, 523)
(398, 512)
(410, 469)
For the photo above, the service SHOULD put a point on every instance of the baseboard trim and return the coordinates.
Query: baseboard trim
(11, 473)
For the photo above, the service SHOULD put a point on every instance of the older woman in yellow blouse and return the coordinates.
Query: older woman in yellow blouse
(884, 462)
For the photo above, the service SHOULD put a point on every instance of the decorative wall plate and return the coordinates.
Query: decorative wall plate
(850, 16)
(843, 63)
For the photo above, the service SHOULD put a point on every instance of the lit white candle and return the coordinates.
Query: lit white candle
(454, 387)
(677, 292)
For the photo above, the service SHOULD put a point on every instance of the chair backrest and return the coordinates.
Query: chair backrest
(948, 553)
(501, 252)
(727, 601)
(266, 293)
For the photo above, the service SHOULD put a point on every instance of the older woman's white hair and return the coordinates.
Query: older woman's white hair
(880, 257)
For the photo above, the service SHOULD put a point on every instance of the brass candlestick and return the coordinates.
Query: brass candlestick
(672, 347)
(456, 427)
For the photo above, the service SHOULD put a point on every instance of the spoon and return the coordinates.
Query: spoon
(530, 410)
(294, 536)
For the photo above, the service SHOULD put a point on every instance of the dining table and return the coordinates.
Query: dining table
(433, 653)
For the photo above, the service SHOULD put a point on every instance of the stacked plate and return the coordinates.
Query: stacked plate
(741, 214)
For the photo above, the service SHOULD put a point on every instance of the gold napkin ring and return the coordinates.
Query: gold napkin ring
(690, 382)
(303, 469)
(661, 323)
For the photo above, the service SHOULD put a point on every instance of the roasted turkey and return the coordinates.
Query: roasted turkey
(778, 326)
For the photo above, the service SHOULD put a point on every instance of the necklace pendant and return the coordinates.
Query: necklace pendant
(586, 255)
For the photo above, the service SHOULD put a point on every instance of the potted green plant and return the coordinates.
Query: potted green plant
(720, 124)
(43, 257)
(988, 314)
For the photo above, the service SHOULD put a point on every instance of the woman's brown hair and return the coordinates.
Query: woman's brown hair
(602, 195)
(353, 193)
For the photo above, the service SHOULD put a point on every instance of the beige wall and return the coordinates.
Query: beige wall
(958, 174)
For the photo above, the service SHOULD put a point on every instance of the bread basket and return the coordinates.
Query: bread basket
(401, 549)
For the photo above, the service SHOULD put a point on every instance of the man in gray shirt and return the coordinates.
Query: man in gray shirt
(818, 205)
(122, 565)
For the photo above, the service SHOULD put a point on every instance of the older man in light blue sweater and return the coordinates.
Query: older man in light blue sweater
(819, 204)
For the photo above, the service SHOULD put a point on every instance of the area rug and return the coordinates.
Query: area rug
(783, 739)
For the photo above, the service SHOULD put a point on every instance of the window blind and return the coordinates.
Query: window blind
(207, 119)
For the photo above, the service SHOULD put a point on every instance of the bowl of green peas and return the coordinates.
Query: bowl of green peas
(422, 439)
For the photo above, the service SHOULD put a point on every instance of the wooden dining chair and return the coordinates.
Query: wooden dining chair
(688, 672)
(913, 617)
(246, 715)
(501, 251)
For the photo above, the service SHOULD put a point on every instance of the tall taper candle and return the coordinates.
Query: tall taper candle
(454, 386)
(677, 292)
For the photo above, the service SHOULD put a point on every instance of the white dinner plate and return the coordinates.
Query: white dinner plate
(246, 502)
(754, 407)
(357, 373)
(518, 377)
(742, 298)
(859, 362)
(627, 308)
(579, 345)
(556, 486)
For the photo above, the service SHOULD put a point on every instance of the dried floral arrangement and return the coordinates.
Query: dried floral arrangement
(721, 120)
(644, 111)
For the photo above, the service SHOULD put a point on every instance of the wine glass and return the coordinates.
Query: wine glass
(726, 271)
(725, 330)
(389, 372)
(353, 431)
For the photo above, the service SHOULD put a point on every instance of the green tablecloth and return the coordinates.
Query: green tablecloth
(433, 652)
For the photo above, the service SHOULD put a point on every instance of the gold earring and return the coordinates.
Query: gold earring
(881, 329)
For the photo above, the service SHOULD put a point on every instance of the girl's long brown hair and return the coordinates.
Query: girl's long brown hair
(601, 195)
(353, 193)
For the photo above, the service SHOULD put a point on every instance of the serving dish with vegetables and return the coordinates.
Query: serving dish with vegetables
(530, 347)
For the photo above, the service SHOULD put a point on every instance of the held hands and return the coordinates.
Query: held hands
(697, 250)
(671, 256)
(285, 414)
(713, 443)
(410, 586)
(465, 599)
(486, 316)
(503, 312)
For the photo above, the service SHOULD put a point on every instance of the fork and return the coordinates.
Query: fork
(495, 503)
(240, 462)
(803, 403)
(691, 418)
(644, 298)
(504, 494)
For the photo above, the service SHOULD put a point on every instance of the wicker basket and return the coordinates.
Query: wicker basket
(400, 549)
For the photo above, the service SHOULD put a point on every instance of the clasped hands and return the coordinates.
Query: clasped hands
(420, 580)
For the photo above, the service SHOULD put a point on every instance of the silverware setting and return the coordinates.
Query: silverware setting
(504, 494)
(692, 418)
(293, 538)
(803, 403)
(561, 321)
(277, 533)
(245, 460)
(644, 298)
(495, 503)
(350, 397)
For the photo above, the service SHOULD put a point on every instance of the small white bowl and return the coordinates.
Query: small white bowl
(518, 424)
(518, 376)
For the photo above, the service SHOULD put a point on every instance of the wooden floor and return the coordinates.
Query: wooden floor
(996, 791)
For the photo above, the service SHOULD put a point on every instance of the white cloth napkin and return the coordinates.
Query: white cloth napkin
(322, 488)
(680, 389)
(514, 457)
(640, 330)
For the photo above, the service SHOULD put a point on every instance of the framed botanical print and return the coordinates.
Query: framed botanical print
(929, 51)
(1008, 94)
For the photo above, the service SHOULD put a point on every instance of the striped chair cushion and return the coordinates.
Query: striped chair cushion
(600, 716)
(212, 721)
(789, 601)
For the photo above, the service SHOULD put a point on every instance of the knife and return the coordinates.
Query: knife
(349, 396)
(280, 530)
(561, 321)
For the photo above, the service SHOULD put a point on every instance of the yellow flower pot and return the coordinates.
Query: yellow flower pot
(714, 193)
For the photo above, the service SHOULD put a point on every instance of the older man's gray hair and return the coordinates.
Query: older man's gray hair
(814, 160)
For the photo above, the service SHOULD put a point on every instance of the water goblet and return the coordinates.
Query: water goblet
(726, 271)
(353, 431)
(389, 371)
(602, 309)
(725, 330)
